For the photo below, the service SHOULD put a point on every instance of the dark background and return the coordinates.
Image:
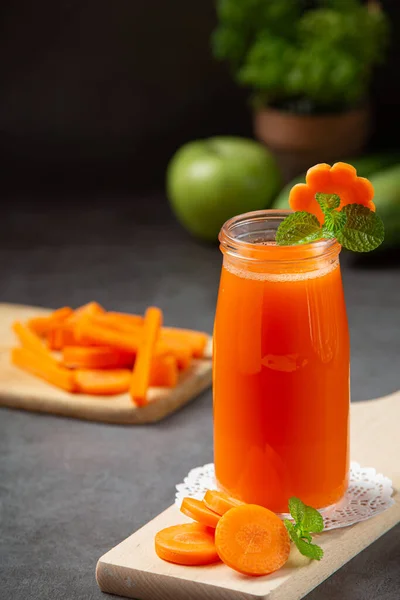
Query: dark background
(94, 98)
(102, 92)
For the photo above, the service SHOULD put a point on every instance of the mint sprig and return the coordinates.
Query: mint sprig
(355, 226)
(298, 228)
(327, 201)
(363, 231)
(307, 520)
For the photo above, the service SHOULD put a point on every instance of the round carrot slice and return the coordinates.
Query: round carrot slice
(220, 502)
(198, 511)
(252, 540)
(187, 544)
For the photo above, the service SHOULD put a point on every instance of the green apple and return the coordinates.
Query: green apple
(212, 180)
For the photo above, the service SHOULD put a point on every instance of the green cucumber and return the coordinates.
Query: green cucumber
(387, 201)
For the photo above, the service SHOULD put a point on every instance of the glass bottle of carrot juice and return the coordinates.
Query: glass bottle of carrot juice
(281, 368)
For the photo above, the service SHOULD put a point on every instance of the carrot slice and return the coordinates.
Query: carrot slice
(340, 179)
(198, 511)
(220, 502)
(164, 372)
(32, 342)
(187, 544)
(102, 382)
(252, 540)
(96, 357)
(42, 325)
(142, 369)
(40, 366)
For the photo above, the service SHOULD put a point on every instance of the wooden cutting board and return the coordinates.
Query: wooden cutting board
(22, 390)
(132, 568)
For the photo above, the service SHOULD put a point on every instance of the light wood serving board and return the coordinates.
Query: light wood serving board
(19, 389)
(132, 568)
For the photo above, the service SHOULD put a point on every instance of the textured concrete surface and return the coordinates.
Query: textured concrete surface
(70, 490)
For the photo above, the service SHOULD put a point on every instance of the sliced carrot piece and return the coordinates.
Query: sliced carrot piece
(128, 317)
(32, 342)
(38, 365)
(89, 309)
(60, 336)
(182, 342)
(252, 540)
(42, 325)
(220, 502)
(198, 511)
(142, 369)
(96, 357)
(197, 340)
(119, 321)
(88, 332)
(99, 382)
(181, 351)
(164, 372)
(340, 179)
(187, 544)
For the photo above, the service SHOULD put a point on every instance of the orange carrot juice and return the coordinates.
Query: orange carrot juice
(281, 368)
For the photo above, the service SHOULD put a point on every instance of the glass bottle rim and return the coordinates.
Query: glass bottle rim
(234, 245)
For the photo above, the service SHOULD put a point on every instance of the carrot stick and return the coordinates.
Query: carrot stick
(61, 336)
(171, 336)
(119, 320)
(198, 511)
(197, 340)
(252, 540)
(219, 502)
(89, 332)
(89, 309)
(42, 325)
(164, 372)
(181, 351)
(32, 342)
(102, 382)
(37, 364)
(142, 369)
(96, 357)
(186, 544)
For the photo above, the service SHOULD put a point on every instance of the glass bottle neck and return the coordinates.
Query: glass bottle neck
(248, 242)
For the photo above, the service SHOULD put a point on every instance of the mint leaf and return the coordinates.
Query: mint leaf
(334, 223)
(290, 529)
(363, 231)
(298, 228)
(327, 202)
(313, 521)
(310, 550)
(306, 548)
(297, 509)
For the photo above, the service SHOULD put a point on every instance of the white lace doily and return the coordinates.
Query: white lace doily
(369, 493)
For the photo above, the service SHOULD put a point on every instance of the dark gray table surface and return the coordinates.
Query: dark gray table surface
(70, 490)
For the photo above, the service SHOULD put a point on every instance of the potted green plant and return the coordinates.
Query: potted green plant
(309, 65)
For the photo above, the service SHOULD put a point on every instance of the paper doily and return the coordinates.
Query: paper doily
(369, 493)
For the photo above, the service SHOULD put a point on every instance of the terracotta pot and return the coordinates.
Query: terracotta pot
(300, 141)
